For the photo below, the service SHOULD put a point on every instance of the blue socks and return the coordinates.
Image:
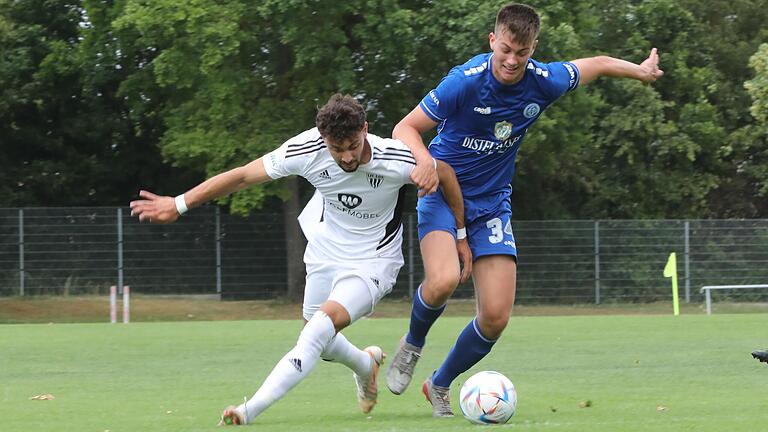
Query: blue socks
(422, 318)
(470, 348)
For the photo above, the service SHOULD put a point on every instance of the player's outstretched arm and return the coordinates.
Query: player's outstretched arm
(452, 193)
(409, 131)
(165, 209)
(594, 67)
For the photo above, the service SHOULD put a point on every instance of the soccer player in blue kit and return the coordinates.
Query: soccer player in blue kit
(482, 110)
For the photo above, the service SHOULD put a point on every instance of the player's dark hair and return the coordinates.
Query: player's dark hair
(519, 20)
(341, 118)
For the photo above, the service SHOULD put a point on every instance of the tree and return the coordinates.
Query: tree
(234, 79)
(66, 139)
(748, 146)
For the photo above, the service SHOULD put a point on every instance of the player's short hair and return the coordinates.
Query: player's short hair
(341, 118)
(519, 20)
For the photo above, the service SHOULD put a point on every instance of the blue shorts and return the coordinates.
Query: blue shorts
(488, 222)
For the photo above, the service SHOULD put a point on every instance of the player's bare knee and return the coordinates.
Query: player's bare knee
(338, 315)
(441, 282)
(493, 324)
(436, 290)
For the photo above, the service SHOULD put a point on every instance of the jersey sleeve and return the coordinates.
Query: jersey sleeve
(399, 158)
(289, 159)
(563, 77)
(443, 100)
(405, 169)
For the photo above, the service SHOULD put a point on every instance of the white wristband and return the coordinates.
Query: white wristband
(181, 204)
(461, 233)
(434, 163)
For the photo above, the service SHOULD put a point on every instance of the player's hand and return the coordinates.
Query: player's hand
(465, 256)
(154, 208)
(424, 176)
(651, 71)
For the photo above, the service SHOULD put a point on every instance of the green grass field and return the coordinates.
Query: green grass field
(639, 373)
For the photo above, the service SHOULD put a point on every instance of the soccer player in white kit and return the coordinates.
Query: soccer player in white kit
(354, 232)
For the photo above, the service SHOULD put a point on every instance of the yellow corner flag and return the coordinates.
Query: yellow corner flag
(670, 271)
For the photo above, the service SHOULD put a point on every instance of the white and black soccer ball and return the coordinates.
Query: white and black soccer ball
(488, 397)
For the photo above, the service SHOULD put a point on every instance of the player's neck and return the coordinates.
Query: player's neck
(367, 152)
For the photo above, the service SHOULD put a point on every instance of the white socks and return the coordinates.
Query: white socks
(341, 350)
(294, 366)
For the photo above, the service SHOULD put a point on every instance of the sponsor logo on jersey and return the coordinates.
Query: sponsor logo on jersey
(348, 211)
(375, 180)
(531, 110)
(484, 111)
(484, 146)
(325, 175)
(434, 98)
(350, 201)
(502, 130)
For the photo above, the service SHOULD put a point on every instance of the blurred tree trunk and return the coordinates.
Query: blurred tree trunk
(294, 241)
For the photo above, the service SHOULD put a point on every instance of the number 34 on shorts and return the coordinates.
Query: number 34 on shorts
(492, 237)
(497, 234)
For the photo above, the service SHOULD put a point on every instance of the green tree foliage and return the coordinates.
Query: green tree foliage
(758, 86)
(98, 98)
(749, 144)
(238, 78)
(66, 138)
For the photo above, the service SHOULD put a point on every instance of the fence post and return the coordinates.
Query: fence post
(410, 256)
(218, 250)
(120, 250)
(597, 262)
(687, 262)
(21, 252)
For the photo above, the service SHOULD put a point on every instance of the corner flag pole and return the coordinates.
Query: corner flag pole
(670, 271)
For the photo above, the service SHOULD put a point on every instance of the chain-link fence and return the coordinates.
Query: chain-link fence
(60, 251)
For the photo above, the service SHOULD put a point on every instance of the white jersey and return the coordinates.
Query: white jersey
(353, 216)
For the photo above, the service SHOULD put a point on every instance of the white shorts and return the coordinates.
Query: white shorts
(357, 286)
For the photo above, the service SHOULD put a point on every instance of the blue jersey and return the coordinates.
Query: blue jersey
(482, 122)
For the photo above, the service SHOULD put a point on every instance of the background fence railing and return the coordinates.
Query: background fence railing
(62, 251)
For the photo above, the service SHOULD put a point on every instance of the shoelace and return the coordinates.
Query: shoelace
(443, 396)
(444, 404)
(412, 357)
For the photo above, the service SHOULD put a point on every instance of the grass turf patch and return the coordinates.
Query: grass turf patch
(658, 373)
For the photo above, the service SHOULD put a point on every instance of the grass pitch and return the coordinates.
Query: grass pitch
(577, 373)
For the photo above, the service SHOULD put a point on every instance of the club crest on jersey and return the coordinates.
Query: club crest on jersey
(350, 201)
(502, 130)
(375, 180)
(531, 110)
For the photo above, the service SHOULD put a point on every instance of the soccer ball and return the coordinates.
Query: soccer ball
(488, 397)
